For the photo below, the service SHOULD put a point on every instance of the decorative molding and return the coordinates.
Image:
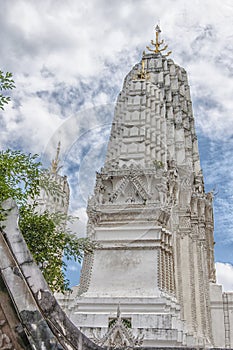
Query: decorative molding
(179, 274)
(193, 286)
(119, 336)
(86, 273)
(185, 222)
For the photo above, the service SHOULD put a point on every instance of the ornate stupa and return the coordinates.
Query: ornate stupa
(153, 221)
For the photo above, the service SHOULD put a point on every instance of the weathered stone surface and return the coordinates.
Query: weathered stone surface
(30, 317)
(28, 309)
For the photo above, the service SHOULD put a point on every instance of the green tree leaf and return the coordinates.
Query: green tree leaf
(48, 243)
(22, 178)
(6, 83)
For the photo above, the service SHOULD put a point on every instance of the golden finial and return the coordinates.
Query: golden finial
(158, 43)
(142, 74)
(55, 161)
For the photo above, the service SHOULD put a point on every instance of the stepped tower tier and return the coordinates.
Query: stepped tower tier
(153, 120)
(151, 216)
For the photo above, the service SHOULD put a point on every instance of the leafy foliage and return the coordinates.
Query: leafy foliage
(19, 177)
(22, 178)
(48, 184)
(48, 241)
(6, 83)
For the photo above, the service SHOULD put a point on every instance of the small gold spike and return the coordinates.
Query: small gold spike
(142, 74)
(158, 43)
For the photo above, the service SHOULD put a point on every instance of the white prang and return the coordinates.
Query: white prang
(154, 224)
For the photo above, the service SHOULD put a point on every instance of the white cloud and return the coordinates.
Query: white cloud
(72, 268)
(79, 41)
(68, 56)
(78, 226)
(224, 273)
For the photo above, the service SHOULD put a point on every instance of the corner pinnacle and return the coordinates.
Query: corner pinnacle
(55, 162)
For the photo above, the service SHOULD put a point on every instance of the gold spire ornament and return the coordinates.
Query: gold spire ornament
(158, 43)
(55, 162)
(142, 74)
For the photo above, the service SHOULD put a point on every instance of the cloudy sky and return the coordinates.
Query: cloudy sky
(69, 59)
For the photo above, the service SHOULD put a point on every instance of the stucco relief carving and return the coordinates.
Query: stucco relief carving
(119, 336)
(202, 233)
(186, 182)
(185, 222)
(163, 217)
(86, 273)
(198, 197)
(201, 209)
(198, 184)
(193, 203)
(173, 188)
(178, 125)
(132, 188)
(209, 207)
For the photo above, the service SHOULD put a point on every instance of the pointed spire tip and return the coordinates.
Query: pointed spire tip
(55, 162)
